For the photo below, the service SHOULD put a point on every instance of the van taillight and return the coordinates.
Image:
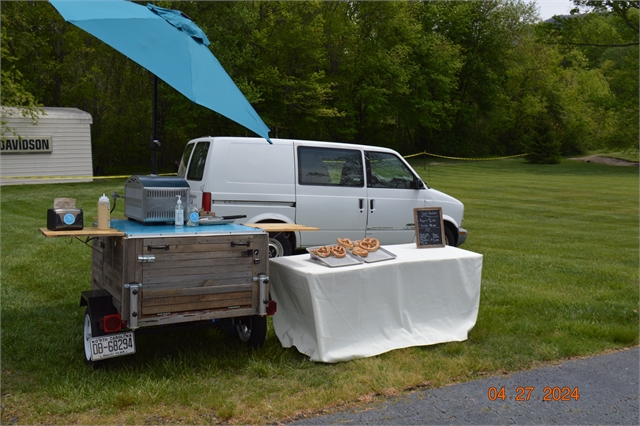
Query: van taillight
(206, 201)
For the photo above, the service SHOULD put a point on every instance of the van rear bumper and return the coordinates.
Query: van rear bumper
(462, 236)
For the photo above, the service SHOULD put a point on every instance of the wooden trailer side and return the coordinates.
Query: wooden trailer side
(214, 274)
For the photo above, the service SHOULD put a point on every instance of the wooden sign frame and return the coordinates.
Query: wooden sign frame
(425, 220)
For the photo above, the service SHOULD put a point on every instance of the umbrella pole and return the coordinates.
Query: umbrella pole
(154, 137)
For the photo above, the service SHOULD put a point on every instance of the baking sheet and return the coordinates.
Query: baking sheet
(334, 262)
(378, 256)
(214, 220)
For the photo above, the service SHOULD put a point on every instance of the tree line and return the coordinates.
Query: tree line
(467, 79)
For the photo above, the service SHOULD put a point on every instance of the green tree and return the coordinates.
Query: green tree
(12, 84)
(487, 34)
(379, 69)
(460, 78)
(550, 92)
(291, 67)
(627, 11)
(392, 80)
(607, 36)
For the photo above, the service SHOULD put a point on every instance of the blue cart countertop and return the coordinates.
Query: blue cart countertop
(133, 229)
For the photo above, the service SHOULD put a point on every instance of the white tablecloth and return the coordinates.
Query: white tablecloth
(423, 297)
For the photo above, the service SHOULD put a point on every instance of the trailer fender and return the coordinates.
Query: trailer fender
(99, 302)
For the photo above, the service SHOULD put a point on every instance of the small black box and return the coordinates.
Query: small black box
(64, 219)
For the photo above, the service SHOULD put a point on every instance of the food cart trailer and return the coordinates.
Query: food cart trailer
(152, 274)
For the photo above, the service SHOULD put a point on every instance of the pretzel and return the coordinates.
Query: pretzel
(345, 242)
(323, 251)
(338, 251)
(370, 244)
(359, 251)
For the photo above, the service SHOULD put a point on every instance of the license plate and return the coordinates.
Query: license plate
(112, 345)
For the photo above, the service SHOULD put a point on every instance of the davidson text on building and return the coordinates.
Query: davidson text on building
(20, 145)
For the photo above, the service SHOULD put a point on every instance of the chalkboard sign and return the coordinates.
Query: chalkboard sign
(429, 227)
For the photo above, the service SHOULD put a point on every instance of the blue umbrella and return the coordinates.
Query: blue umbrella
(168, 44)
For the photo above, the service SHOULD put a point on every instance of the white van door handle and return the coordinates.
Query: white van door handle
(371, 206)
(361, 204)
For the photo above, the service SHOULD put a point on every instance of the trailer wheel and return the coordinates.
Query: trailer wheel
(90, 330)
(253, 330)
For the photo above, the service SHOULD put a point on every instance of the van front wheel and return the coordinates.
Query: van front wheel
(450, 240)
(279, 245)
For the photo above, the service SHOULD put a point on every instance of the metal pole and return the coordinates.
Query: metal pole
(154, 137)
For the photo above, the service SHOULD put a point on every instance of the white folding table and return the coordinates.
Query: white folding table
(423, 297)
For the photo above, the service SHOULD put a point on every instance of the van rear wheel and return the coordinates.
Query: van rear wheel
(279, 245)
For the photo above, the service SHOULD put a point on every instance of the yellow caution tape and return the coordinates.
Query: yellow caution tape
(463, 158)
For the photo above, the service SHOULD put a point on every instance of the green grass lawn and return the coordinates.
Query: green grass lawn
(559, 280)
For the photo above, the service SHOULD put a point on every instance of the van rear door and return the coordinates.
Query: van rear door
(245, 176)
(330, 194)
(192, 167)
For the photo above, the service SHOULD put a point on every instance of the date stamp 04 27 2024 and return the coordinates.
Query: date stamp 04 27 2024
(526, 393)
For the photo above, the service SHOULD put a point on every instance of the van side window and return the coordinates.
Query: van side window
(198, 160)
(330, 167)
(182, 169)
(388, 171)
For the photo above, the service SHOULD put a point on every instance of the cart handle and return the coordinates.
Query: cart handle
(165, 247)
(233, 244)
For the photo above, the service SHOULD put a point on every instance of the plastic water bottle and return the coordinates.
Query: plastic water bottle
(179, 214)
(193, 215)
(104, 215)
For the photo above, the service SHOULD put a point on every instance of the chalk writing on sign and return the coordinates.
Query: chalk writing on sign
(429, 227)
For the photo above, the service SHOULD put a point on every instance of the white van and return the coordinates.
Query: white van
(348, 191)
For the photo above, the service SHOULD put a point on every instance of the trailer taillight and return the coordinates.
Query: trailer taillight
(111, 323)
(271, 307)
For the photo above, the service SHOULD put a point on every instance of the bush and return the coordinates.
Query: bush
(542, 144)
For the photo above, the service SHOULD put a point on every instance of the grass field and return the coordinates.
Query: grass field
(559, 280)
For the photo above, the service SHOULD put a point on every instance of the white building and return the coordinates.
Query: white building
(56, 149)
